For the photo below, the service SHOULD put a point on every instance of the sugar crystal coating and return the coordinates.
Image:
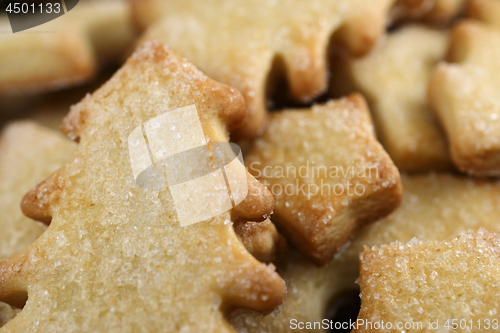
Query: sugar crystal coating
(114, 258)
(434, 207)
(19, 172)
(241, 42)
(327, 172)
(420, 282)
(394, 78)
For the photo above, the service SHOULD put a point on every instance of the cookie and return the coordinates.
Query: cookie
(435, 207)
(327, 172)
(394, 78)
(261, 239)
(431, 286)
(19, 171)
(250, 45)
(311, 290)
(114, 248)
(66, 51)
(464, 95)
(28, 153)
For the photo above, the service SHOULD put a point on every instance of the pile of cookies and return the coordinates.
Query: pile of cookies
(370, 134)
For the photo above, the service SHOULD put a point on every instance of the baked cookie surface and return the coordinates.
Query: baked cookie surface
(432, 286)
(464, 95)
(113, 248)
(250, 44)
(394, 78)
(20, 172)
(434, 208)
(327, 172)
(66, 51)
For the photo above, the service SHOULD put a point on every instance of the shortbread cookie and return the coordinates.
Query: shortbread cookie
(44, 61)
(262, 240)
(464, 95)
(251, 44)
(28, 153)
(311, 290)
(115, 258)
(65, 51)
(327, 172)
(394, 78)
(434, 207)
(432, 286)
